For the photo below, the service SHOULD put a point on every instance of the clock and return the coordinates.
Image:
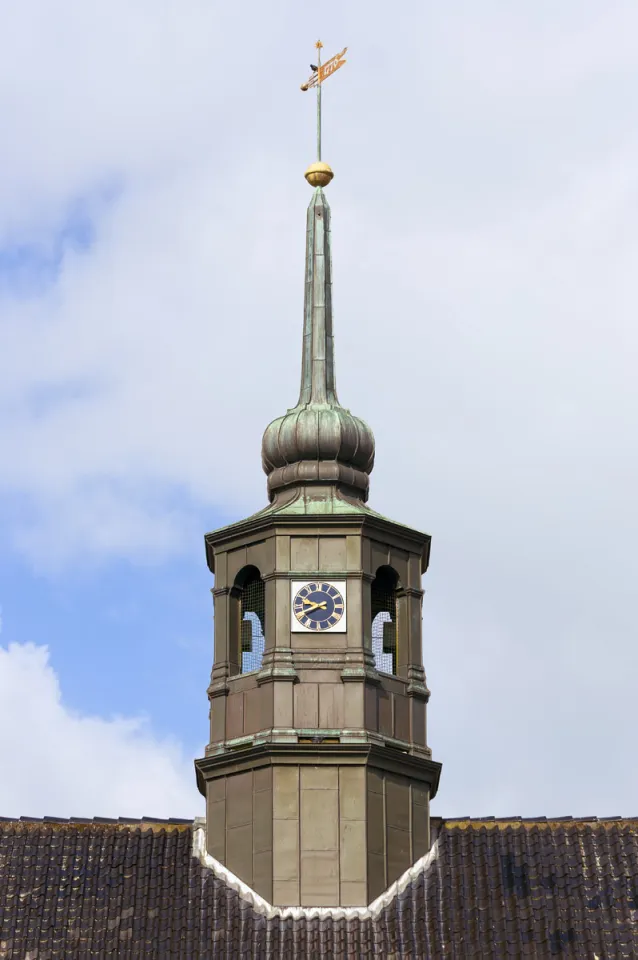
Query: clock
(318, 606)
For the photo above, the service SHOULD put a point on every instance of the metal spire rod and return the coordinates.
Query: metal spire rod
(319, 45)
(320, 73)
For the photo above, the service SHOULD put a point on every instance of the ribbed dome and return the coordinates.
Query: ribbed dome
(318, 441)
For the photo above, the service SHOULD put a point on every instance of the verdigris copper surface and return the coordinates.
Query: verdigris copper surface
(318, 441)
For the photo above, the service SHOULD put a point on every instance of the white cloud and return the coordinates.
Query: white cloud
(64, 764)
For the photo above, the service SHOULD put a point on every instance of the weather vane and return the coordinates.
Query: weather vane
(319, 174)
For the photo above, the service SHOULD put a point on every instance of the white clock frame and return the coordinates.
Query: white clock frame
(297, 585)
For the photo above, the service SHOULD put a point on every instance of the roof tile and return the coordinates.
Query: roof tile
(507, 887)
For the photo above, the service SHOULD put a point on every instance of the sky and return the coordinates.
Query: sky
(485, 238)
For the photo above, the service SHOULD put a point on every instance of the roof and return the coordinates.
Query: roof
(487, 888)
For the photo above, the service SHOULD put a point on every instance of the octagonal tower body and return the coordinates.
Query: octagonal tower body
(318, 776)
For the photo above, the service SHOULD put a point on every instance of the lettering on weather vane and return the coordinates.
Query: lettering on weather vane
(321, 72)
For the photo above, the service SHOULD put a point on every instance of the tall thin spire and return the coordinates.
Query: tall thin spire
(317, 360)
(318, 441)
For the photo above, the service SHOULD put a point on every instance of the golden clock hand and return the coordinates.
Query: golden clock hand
(315, 606)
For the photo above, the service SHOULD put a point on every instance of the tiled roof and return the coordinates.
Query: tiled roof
(488, 888)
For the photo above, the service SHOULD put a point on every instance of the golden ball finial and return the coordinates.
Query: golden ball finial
(319, 174)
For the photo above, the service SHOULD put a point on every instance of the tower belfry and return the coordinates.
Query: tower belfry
(318, 776)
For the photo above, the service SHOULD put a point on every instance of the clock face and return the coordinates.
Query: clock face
(319, 605)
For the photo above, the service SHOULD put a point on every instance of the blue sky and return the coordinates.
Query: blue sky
(124, 640)
(127, 638)
(152, 212)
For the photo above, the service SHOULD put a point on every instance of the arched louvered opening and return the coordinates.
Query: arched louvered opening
(250, 594)
(385, 633)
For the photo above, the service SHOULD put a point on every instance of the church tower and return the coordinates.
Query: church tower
(317, 776)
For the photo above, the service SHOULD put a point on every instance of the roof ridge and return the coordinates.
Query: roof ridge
(517, 818)
(176, 821)
(520, 819)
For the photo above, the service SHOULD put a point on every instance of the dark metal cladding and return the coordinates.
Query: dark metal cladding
(318, 441)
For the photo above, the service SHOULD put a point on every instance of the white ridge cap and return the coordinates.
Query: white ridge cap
(296, 913)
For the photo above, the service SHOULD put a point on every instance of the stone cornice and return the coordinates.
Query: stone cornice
(318, 575)
(363, 523)
(379, 757)
(220, 591)
(412, 592)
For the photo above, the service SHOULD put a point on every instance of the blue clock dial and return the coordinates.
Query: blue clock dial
(318, 606)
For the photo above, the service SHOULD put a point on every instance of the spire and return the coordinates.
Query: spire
(317, 359)
(318, 441)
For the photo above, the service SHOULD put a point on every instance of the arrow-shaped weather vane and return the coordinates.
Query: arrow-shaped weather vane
(321, 72)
